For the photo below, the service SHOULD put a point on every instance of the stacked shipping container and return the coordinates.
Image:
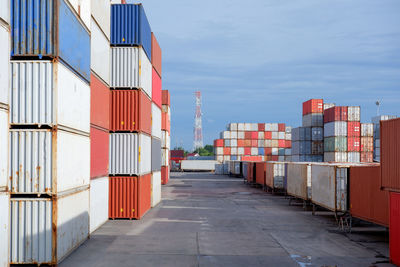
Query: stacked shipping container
(376, 124)
(166, 139)
(49, 152)
(254, 141)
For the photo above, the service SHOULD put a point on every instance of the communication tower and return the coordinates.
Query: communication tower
(197, 130)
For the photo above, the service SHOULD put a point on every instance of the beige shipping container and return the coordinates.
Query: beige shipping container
(299, 180)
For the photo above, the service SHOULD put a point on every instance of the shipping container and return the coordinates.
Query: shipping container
(156, 88)
(367, 129)
(233, 135)
(129, 26)
(198, 165)
(234, 143)
(225, 135)
(155, 154)
(83, 10)
(48, 28)
(130, 69)
(336, 128)
(353, 157)
(367, 201)
(164, 175)
(45, 231)
(317, 134)
(353, 113)
(353, 128)
(99, 151)
(328, 105)
(390, 154)
(313, 120)
(219, 150)
(281, 127)
(130, 197)
(4, 57)
(165, 122)
(61, 161)
(165, 157)
(41, 95)
(260, 172)
(218, 143)
(4, 149)
(317, 148)
(261, 127)
(335, 114)
(165, 140)
(301, 134)
(166, 98)
(99, 52)
(335, 156)
(353, 144)
(156, 54)
(98, 202)
(313, 106)
(299, 180)
(275, 177)
(394, 228)
(4, 228)
(366, 157)
(335, 144)
(5, 11)
(130, 154)
(130, 111)
(99, 103)
(301, 148)
(100, 10)
(155, 188)
(271, 127)
(155, 121)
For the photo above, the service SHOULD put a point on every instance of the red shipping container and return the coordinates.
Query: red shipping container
(261, 127)
(227, 151)
(313, 106)
(353, 128)
(254, 135)
(260, 172)
(99, 103)
(288, 143)
(156, 55)
(335, 114)
(218, 143)
(268, 151)
(353, 144)
(129, 197)
(281, 143)
(367, 144)
(274, 158)
(99, 148)
(367, 201)
(367, 157)
(130, 111)
(247, 143)
(240, 143)
(165, 98)
(254, 143)
(164, 175)
(247, 151)
(394, 228)
(251, 170)
(252, 158)
(281, 127)
(165, 122)
(156, 88)
(390, 154)
(247, 135)
(268, 135)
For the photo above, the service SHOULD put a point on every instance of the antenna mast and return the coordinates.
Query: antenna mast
(197, 130)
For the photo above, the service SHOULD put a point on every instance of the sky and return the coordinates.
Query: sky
(258, 60)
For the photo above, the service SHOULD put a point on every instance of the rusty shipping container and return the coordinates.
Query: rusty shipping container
(367, 201)
(275, 177)
(394, 228)
(260, 172)
(335, 114)
(99, 150)
(130, 197)
(130, 111)
(99, 103)
(156, 54)
(390, 154)
(299, 180)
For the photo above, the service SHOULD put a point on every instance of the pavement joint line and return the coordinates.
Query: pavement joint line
(290, 255)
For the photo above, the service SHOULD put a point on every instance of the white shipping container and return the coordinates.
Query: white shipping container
(240, 135)
(101, 14)
(254, 127)
(166, 109)
(219, 150)
(165, 140)
(165, 157)
(275, 151)
(219, 158)
(328, 105)
(367, 129)
(241, 127)
(155, 121)
(261, 143)
(260, 135)
(4, 55)
(200, 165)
(234, 151)
(288, 129)
(336, 128)
(83, 10)
(45, 162)
(275, 135)
(227, 142)
(254, 151)
(225, 135)
(240, 150)
(234, 135)
(99, 53)
(226, 157)
(247, 126)
(274, 143)
(155, 188)
(4, 227)
(288, 136)
(268, 127)
(335, 156)
(353, 157)
(353, 113)
(274, 127)
(98, 202)
(299, 180)
(3, 149)
(46, 93)
(233, 142)
(131, 68)
(281, 135)
(232, 127)
(267, 143)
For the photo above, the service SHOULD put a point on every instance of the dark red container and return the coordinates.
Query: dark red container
(281, 127)
(394, 228)
(240, 143)
(268, 151)
(156, 55)
(288, 143)
(247, 135)
(164, 175)
(313, 106)
(390, 154)
(353, 128)
(156, 88)
(129, 197)
(218, 143)
(281, 143)
(251, 178)
(353, 144)
(99, 148)
(367, 201)
(227, 151)
(260, 172)
(130, 111)
(335, 114)
(165, 122)
(254, 143)
(99, 103)
(261, 127)
(165, 98)
(177, 153)
(367, 156)
(268, 135)
(274, 158)
(247, 151)
(254, 135)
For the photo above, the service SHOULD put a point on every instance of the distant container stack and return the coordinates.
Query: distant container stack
(254, 142)
(377, 139)
(49, 144)
(165, 137)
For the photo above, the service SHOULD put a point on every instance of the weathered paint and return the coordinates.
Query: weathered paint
(275, 175)
(164, 175)
(166, 140)
(394, 228)
(99, 52)
(4, 58)
(98, 202)
(155, 188)
(164, 157)
(166, 98)
(100, 10)
(299, 180)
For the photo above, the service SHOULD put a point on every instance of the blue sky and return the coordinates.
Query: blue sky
(258, 60)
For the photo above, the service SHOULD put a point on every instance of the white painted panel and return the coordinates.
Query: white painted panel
(234, 151)
(336, 128)
(155, 121)
(155, 188)
(240, 135)
(165, 157)
(234, 135)
(232, 127)
(4, 56)
(203, 165)
(323, 183)
(254, 151)
(3, 147)
(260, 135)
(82, 9)
(5, 11)
(4, 228)
(367, 129)
(101, 13)
(219, 150)
(241, 127)
(165, 140)
(275, 135)
(99, 53)
(73, 160)
(98, 202)
(145, 73)
(274, 127)
(353, 113)
(225, 135)
(281, 135)
(298, 180)
(240, 150)
(234, 143)
(254, 127)
(247, 126)
(144, 154)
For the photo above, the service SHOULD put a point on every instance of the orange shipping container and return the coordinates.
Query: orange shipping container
(268, 135)
(218, 143)
(247, 143)
(240, 143)
(227, 151)
(313, 106)
(165, 122)
(260, 172)
(254, 143)
(99, 103)
(394, 228)
(165, 98)
(164, 175)
(390, 154)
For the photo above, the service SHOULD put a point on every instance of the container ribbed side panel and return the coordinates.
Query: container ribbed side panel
(31, 92)
(123, 197)
(125, 67)
(124, 154)
(31, 231)
(30, 161)
(125, 110)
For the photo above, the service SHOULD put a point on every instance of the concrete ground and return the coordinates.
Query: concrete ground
(211, 220)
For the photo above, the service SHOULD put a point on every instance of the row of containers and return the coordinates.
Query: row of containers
(367, 191)
(80, 123)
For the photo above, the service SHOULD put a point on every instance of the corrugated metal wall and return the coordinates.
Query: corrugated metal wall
(124, 154)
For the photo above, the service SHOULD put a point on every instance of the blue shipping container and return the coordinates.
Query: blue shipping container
(49, 28)
(261, 151)
(129, 26)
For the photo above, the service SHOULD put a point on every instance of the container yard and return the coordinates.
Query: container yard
(102, 162)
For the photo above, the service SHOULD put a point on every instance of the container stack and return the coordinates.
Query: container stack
(166, 139)
(131, 109)
(254, 141)
(367, 142)
(99, 112)
(376, 122)
(4, 112)
(49, 152)
(335, 134)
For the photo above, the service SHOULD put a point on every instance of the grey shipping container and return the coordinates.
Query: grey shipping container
(301, 148)
(313, 120)
(317, 134)
(155, 154)
(301, 134)
(335, 144)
